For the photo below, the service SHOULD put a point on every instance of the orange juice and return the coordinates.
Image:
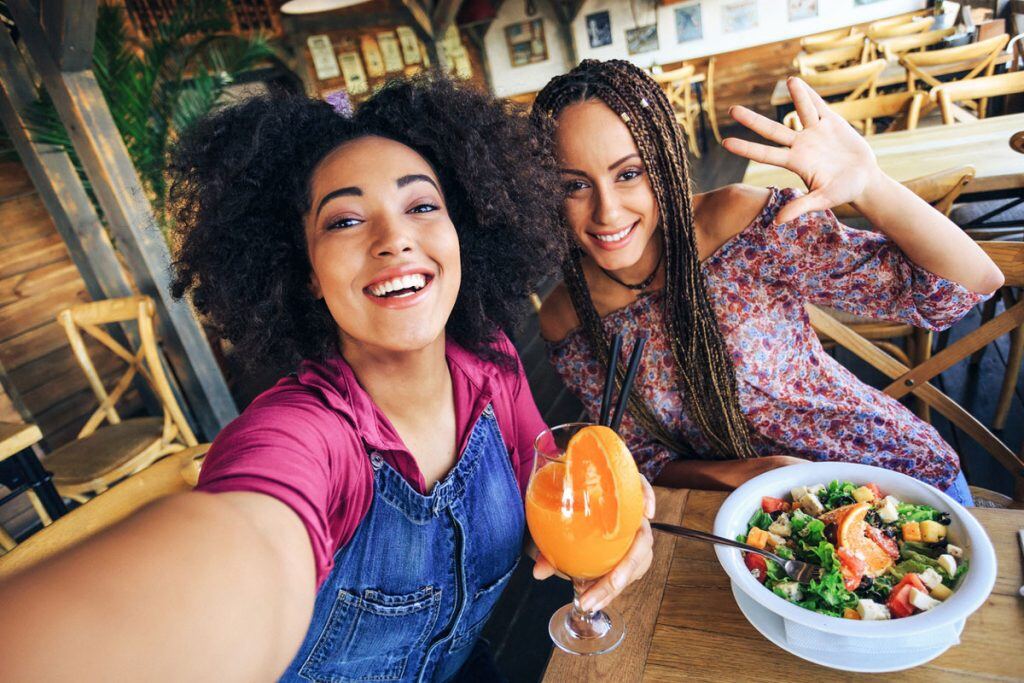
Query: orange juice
(584, 509)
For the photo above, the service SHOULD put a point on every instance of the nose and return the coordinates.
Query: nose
(607, 209)
(393, 236)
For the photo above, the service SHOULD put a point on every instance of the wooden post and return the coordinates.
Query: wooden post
(432, 25)
(565, 13)
(70, 26)
(80, 104)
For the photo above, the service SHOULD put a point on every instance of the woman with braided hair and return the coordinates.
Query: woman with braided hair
(735, 381)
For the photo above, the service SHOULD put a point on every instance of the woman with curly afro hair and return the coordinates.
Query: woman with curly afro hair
(361, 518)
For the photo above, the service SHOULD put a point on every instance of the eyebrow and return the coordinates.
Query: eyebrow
(414, 178)
(357, 192)
(573, 171)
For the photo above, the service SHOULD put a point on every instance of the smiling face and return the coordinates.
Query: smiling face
(609, 203)
(384, 252)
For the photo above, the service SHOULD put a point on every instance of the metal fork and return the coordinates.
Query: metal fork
(801, 572)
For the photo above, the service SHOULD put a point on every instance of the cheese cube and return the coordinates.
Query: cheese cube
(798, 493)
(954, 550)
(947, 564)
(791, 590)
(911, 531)
(932, 532)
(811, 505)
(781, 526)
(816, 489)
(888, 513)
(930, 578)
(863, 495)
(869, 610)
(921, 600)
(940, 592)
(774, 540)
(757, 537)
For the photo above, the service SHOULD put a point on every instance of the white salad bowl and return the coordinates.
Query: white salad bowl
(840, 643)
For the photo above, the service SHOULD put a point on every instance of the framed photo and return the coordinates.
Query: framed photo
(802, 9)
(599, 29)
(324, 62)
(410, 44)
(642, 39)
(526, 42)
(739, 16)
(352, 70)
(864, 2)
(688, 24)
(371, 56)
(391, 51)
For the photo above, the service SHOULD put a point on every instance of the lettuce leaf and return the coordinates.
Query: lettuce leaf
(807, 528)
(760, 519)
(837, 494)
(916, 513)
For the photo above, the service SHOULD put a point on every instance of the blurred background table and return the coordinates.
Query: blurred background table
(683, 622)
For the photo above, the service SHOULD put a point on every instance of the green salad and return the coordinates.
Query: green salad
(882, 558)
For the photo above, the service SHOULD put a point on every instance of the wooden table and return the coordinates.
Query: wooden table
(907, 154)
(683, 622)
(21, 471)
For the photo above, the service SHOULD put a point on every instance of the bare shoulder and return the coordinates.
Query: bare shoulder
(723, 213)
(557, 315)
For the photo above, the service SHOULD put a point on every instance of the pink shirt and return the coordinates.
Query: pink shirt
(306, 441)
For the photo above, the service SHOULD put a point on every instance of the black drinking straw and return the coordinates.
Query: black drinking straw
(609, 378)
(627, 384)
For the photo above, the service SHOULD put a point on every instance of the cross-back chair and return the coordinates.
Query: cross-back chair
(977, 59)
(825, 40)
(903, 107)
(176, 473)
(844, 41)
(861, 78)
(892, 48)
(976, 91)
(833, 58)
(1009, 256)
(676, 84)
(108, 447)
(888, 29)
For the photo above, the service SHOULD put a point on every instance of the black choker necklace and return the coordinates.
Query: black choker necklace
(646, 281)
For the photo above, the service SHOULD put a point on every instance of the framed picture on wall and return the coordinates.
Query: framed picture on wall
(739, 16)
(599, 29)
(864, 2)
(642, 39)
(802, 9)
(526, 42)
(688, 25)
(325, 63)
(410, 44)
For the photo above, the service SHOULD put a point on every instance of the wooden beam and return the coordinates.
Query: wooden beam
(563, 18)
(420, 17)
(82, 108)
(70, 26)
(444, 16)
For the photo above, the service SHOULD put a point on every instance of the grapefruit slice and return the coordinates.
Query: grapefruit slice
(605, 480)
(851, 534)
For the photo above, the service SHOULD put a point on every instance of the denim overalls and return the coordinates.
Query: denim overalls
(411, 591)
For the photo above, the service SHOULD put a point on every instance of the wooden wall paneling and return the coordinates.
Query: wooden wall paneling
(80, 103)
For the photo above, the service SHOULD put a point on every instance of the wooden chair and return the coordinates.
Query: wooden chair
(676, 84)
(977, 91)
(174, 474)
(941, 190)
(904, 107)
(823, 45)
(103, 454)
(1009, 256)
(892, 48)
(823, 41)
(880, 30)
(977, 59)
(708, 104)
(834, 58)
(861, 78)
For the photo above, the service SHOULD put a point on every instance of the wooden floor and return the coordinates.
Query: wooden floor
(518, 629)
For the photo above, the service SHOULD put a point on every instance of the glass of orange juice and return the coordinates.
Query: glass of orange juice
(584, 505)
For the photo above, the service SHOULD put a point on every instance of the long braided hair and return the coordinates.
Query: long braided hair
(706, 374)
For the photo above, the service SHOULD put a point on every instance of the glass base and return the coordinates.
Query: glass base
(593, 634)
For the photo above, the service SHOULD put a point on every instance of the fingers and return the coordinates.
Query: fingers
(776, 156)
(800, 92)
(819, 102)
(633, 566)
(649, 500)
(763, 126)
(542, 568)
(813, 201)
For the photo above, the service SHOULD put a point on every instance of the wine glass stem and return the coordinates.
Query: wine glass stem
(584, 623)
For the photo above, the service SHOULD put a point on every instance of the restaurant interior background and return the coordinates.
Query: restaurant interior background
(78, 210)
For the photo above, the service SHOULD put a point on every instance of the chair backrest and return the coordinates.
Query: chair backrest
(175, 473)
(844, 41)
(975, 89)
(891, 48)
(812, 62)
(976, 58)
(940, 189)
(144, 362)
(1009, 256)
(828, 37)
(861, 78)
(676, 84)
(880, 30)
(904, 106)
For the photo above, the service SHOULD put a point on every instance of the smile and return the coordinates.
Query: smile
(615, 240)
(399, 287)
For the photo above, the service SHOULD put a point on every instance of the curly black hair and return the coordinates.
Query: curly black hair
(240, 187)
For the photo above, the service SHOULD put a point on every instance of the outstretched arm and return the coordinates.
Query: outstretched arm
(196, 587)
(838, 166)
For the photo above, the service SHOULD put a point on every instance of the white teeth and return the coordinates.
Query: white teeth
(416, 282)
(615, 237)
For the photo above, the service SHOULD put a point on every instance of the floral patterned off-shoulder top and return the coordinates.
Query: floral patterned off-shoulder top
(797, 399)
